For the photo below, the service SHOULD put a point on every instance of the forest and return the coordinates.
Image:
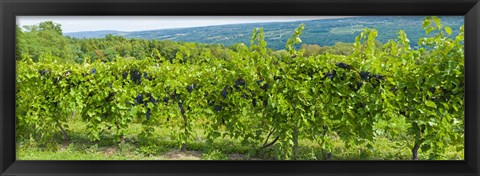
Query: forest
(117, 98)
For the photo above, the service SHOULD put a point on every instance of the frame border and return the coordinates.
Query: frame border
(9, 9)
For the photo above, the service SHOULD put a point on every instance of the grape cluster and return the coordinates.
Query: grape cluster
(93, 71)
(224, 92)
(139, 99)
(211, 103)
(239, 82)
(136, 76)
(378, 77)
(218, 108)
(147, 115)
(365, 75)
(190, 88)
(330, 75)
(343, 65)
(264, 86)
(151, 98)
(55, 80)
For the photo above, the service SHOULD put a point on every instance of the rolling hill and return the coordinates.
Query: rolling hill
(322, 32)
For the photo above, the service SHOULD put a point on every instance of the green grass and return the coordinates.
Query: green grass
(163, 147)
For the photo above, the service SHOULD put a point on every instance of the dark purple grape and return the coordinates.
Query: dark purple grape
(93, 71)
(224, 92)
(329, 156)
(365, 75)
(55, 80)
(218, 108)
(330, 75)
(148, 114)
(189, 88)
(139, 99)
(343, 65)
(378, 77)
(151, 98)
(254, 102)
(240, 82)
(136, 77)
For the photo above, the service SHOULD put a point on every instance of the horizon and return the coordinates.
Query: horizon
(73, 24)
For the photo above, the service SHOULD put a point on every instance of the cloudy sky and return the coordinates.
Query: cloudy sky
(139, 23)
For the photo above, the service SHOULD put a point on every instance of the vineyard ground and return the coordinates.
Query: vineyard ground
(79, 148)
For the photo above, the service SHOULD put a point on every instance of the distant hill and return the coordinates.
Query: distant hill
(93, 34)
(321, 32)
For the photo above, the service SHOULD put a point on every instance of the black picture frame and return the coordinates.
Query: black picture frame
(9, 9)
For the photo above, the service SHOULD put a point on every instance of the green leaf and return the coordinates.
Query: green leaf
(430, 104)
(448, 30)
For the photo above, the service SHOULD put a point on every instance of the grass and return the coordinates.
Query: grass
(164, 147)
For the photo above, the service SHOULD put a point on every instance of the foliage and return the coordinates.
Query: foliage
(249, 93)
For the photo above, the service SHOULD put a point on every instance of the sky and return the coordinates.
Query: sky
(141, 23)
